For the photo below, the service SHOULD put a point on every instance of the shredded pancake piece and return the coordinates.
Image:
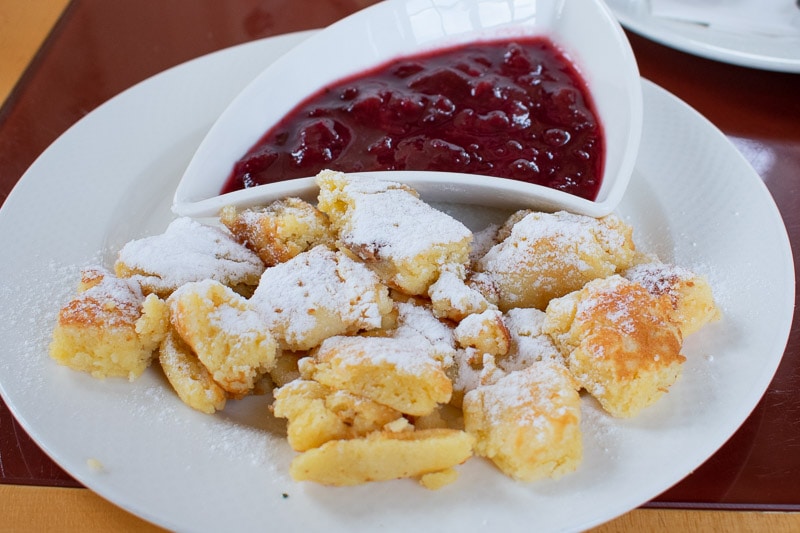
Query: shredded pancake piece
(619, 341)
(228, 336)
(188, 251)
(689, 294)
(395, 372)
(528, 421)
(546, 256)
(110, 328)
(318, 294)
(385, 224)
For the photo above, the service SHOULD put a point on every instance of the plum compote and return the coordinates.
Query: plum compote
(515, 109)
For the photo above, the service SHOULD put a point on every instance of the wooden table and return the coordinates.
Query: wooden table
(48, 47)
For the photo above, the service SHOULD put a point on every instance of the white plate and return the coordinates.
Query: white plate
(693, 199)
(748, 50)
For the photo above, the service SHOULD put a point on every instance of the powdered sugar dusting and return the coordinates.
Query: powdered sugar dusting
(535, 394)
(117, 301)
(460, 297)
(155, 404)
(416, 321)
(618, 305)
(469, 364)
(147, 403)
(658, 278)
(571, 237)
(397, 222)
(528, 343)
(294, 293)
(235, 317)
(189, 251)
(482, 241)
(32, 317)
(414, 358)
(239, 323)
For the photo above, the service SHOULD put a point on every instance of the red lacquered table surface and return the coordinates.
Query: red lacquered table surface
(98, 48)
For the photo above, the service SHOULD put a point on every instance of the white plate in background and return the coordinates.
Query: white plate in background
(693, 199)
(778, 53)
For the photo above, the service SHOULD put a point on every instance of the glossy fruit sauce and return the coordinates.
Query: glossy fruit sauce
(515, 109)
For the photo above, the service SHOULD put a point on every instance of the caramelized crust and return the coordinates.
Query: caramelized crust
(109, 329)
(689, 294)
(279, 231)
(619, 341)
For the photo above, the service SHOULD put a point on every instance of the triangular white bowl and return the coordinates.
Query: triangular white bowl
(585, 31)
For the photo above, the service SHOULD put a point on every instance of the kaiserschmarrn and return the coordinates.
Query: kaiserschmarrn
(393, 341)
